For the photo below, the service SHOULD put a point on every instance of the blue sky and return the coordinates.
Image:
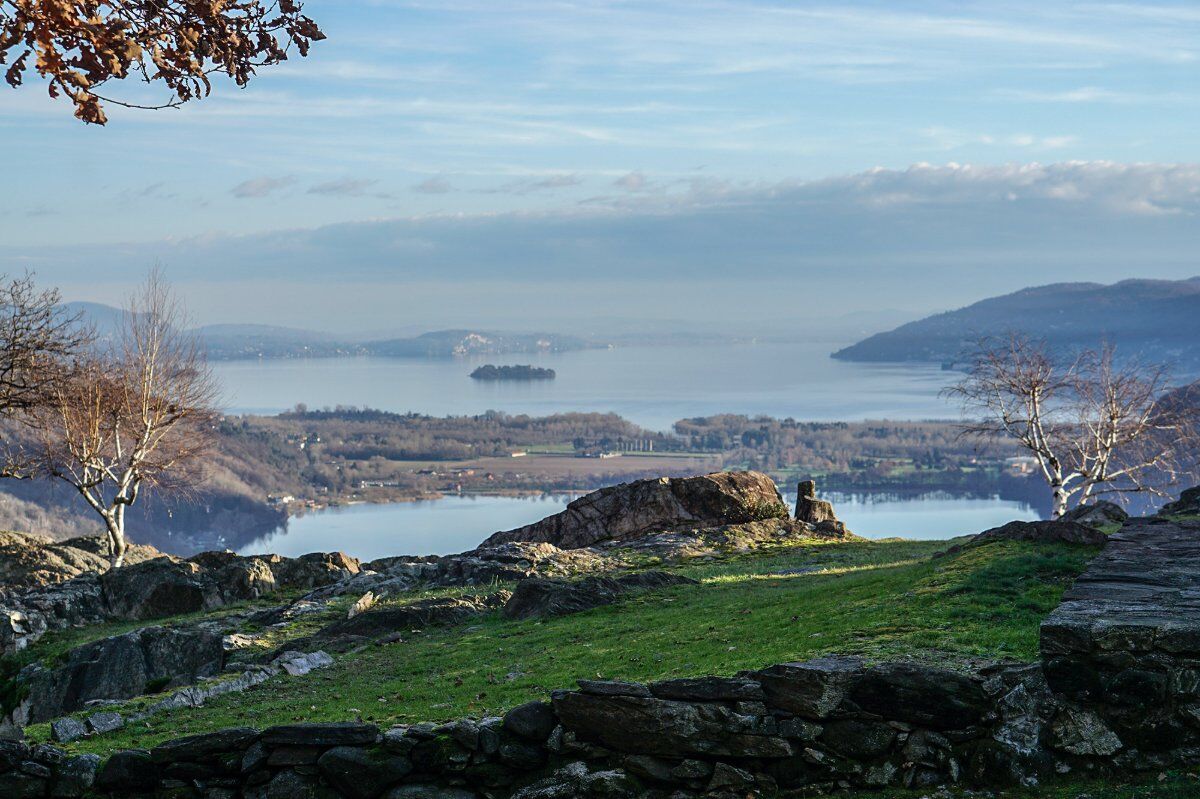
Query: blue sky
(915, 156)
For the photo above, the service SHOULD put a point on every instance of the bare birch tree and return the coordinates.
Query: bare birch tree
(135, 416)
(1094, 426)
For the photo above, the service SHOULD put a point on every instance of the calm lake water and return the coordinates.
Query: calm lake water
(455, 524)
(653, 386)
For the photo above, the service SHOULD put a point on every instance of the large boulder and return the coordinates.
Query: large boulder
(122, 667)
(312, 570)
(1188, 504)
(158, 588)
(1060, 532)
(632, 510)
(538, 597)
(1097, 514)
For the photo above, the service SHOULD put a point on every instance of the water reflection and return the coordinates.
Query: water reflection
(459, 523)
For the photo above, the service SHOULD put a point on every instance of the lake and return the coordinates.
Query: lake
(652, 386)
(458, 523)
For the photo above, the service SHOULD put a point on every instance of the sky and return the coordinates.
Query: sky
(574, 163)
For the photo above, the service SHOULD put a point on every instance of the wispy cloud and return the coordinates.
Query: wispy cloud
(261, 187)
(537, 184)
(345, 187)
(433, 185)
(1088, 94)
(945, 138)
(633, 181)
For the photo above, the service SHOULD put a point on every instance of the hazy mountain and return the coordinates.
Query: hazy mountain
(442, 343)
(232, 341)
(227, 342)
(1159, 319)
(104, 318)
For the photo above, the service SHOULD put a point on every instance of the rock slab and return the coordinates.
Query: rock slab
(632, 510)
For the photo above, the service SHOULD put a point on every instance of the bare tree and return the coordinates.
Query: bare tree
(134, 416)
(37, 337)
(1094, 425)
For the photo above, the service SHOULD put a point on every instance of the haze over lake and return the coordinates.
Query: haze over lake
(653, 386)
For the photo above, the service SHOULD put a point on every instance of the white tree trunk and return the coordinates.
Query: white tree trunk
(1060, 501)
(115, 524)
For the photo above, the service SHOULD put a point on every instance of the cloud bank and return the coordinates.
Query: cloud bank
(924, 237)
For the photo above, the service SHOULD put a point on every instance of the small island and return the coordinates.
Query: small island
(519, 372)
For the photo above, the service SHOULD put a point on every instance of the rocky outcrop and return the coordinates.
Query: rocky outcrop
(157, 588)
(28, 560)
(537, 597)
(1060, 531)
(1097, 514)
(295, 664)
(1188, 504)
(120, 667)
(508, 562)
(631, 510)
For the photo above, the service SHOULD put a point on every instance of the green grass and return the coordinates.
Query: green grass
(877, 599)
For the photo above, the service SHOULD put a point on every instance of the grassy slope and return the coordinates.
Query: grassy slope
(882, 599)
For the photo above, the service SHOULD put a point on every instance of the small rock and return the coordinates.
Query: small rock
(362, 605)
(1082, 732)
(297, 664)
(67, 729)
(106, 721)
(532, 721)
(729, 778)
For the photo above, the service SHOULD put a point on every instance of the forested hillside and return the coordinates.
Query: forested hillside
(1156, 319)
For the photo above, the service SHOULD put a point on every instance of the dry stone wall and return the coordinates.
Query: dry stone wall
(834, 722)
(1125, 643)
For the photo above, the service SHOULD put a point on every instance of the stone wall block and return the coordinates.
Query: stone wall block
(813, 689)
(360, 773)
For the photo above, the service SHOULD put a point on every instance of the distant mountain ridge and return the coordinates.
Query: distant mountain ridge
(233, 341)
(1158, 319)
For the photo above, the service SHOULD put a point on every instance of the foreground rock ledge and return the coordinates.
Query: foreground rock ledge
(1117, 695)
